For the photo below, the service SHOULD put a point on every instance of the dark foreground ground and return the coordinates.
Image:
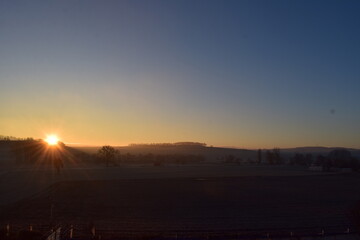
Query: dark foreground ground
(201, 204)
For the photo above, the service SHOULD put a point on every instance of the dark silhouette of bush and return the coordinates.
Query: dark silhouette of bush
(298, 159)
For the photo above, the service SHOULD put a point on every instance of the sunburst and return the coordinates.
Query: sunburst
(52, 140)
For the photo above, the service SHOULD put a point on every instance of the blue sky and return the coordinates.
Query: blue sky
(229, 73)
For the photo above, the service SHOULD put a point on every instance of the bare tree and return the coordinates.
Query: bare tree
(108, 154)
(270, 157)
(259, 156)
(276, 156)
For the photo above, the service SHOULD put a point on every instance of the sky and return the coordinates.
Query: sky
(247, 74)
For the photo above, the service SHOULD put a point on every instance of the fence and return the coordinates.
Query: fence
(86, 232)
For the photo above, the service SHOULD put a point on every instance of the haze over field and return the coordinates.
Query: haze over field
(248, 74)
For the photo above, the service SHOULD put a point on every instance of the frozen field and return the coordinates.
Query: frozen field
(21, 183)
(196, 198)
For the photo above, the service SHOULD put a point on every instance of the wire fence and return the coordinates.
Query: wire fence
(87, 232)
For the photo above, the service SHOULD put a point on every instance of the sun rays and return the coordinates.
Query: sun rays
(52, 140)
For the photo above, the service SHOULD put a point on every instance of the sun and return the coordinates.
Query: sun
(52, 140)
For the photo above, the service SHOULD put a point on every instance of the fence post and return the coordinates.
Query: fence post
(93, 231)
(58, 233)
(8, 230)
(51, 211)
(71, 231)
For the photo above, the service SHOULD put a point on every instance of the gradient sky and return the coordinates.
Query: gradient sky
(229, 73)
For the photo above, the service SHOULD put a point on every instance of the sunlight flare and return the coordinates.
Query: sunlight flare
(52, 140)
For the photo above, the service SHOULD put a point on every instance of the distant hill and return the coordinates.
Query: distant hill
(215, 154)
(211, 154)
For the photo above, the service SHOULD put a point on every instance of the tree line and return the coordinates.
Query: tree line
(338, 158)
(177, 144)
(110, 156)
(272, 157)
(12, 138)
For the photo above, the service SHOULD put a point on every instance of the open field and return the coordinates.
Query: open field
(196, 203)
(22, 183)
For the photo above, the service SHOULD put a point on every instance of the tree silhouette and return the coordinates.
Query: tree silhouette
(108, 154)
(259, 156)
(270, 157)
(276, 156)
